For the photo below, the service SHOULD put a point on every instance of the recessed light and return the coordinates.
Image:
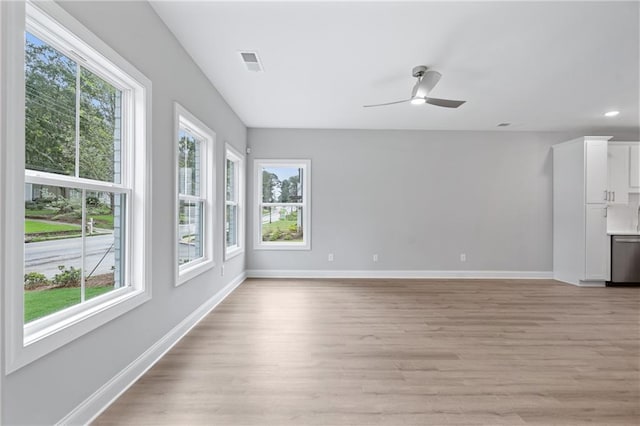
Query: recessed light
(418, 101)
(611, 113)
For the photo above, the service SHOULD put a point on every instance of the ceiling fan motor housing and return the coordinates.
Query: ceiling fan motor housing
(419, 71)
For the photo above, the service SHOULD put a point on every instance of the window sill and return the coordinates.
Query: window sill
(40, 340)
(230, 254)
(188, 273)
(301, 246)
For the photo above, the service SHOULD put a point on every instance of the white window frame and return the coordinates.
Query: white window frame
(28, 342)
(183, 118)
(305, 165)
(234, 156)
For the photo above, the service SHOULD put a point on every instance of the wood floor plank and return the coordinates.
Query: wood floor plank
(400, 352)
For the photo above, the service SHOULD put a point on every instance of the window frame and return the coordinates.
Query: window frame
(305, 165)
(182, 117)
(49, 22)
(233, 155)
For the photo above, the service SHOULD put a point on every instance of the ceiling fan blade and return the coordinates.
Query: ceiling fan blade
(388, 103)
(447, 103)
(427, 82)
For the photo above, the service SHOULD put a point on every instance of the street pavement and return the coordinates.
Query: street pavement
(46, 256)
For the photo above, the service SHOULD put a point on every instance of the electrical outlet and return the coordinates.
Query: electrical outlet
(222, 270)
(463, 257)
(375, 257)
(330, 257)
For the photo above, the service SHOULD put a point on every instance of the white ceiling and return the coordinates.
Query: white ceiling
(537, 65)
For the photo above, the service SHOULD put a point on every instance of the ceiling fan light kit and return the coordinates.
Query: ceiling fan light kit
(427, 79)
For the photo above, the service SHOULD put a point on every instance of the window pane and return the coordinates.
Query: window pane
(231, 181)
(100, 128)
(52, 250)
(104, 247)
(190, 236)
(231, 225)
(282, 185)
(282, 224)
(189, 163)
(50, 113)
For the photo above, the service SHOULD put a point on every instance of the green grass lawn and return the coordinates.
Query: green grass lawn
(103, 221)
(38, 227)
(38, 304)
(282, 224)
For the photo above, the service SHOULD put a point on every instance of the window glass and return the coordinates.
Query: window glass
(190, 237)
(231, 225)
(231, 181)
(99, 129)
(189, 167)
(50, 114)
(282, 224)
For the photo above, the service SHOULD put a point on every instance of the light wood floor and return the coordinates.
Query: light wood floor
(396, 352)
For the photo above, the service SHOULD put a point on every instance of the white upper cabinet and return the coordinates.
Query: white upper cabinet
(596, 188)
(618, 171)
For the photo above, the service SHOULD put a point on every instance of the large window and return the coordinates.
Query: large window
(282, 217)
(195, 188)
(85, 200)
(234, 203)
(75, 195)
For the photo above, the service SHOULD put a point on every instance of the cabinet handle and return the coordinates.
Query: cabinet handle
(606, 195)
(614, 196)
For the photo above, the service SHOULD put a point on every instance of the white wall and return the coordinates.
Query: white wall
(418, 199)
(48, 389)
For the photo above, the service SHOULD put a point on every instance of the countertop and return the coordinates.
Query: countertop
(622, 232)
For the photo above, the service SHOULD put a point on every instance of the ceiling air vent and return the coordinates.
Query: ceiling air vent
(251, 61)
(504, 124)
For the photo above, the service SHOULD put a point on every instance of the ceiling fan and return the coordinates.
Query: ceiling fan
(427, 79)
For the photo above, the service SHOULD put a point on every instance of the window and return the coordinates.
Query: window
(283, 210)
(234, 203)
(195, 189)
(86, 224)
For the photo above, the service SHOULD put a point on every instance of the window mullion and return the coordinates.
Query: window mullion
(192, 198)
(84, 244)
(44, 178)
(77, 163)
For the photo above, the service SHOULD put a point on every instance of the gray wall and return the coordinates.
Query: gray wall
(418, 199)
(48, 389)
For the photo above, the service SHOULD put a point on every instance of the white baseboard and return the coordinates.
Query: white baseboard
(93, 406)
(581, 283)
(267, 273)
(592, 284)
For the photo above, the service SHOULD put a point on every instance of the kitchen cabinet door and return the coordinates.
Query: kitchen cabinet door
(596, 244)
(618, 171)
(596, 172)
(634, 168)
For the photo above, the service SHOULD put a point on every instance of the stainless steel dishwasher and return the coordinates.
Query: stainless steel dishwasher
(625, 259)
